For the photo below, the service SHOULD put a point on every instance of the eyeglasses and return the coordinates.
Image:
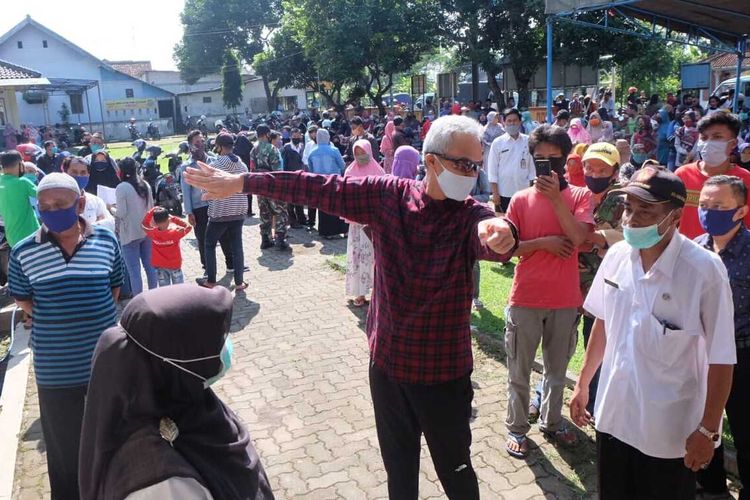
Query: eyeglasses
(463, 164)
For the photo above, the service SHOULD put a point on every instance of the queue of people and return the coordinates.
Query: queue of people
(602, 235)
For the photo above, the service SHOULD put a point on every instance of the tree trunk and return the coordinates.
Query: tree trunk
(523, 93)
(474, 81)
(270, 99)
(497, 92)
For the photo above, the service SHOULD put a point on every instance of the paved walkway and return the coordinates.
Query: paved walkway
(299, 382)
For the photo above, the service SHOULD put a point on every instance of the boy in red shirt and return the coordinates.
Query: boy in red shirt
(718, 137)
(165, 232)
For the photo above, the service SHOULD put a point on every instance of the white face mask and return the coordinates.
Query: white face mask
(713, 152)
(454, 186)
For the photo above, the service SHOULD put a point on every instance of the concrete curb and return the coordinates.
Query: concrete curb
(12, 403)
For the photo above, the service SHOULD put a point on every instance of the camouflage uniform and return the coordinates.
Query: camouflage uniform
(606, 217)
(267, 159)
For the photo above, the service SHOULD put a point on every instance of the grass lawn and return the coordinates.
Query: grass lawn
(168, 144)
(494, 289)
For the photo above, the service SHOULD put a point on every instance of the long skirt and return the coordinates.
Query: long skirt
(360, 262)
(330, 225)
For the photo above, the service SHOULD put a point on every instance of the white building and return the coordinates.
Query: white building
(94, 91)
(209, 102)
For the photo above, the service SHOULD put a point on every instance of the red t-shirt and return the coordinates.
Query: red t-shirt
(165, 248)
(694, 178)
(544, 280)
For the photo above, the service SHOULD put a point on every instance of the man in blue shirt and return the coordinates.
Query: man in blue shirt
(721, 208)
(67, 275)
(194, 207)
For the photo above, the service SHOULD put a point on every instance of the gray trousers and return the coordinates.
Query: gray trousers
(524, 329)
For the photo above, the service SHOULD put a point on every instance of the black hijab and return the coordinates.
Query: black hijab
(131, 390)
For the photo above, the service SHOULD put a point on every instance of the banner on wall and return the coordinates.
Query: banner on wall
(127, 104)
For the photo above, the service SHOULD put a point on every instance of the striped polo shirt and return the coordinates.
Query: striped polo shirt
(71, 298)
(233, 207)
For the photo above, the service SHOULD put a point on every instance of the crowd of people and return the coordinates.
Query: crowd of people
(632, 223)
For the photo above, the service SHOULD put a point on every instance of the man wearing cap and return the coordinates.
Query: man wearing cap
(67, 275)
(664, 337)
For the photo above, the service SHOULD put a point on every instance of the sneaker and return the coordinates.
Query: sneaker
(477, 304)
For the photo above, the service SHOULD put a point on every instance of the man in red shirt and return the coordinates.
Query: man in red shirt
(718, 137)
(165, 232)
(426, 236)
(553, 218)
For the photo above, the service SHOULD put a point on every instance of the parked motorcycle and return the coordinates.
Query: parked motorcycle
(134, 134)
(152, 131)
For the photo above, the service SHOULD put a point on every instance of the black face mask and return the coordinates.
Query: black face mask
(296, 141)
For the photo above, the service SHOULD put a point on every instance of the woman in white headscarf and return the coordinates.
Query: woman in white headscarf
(492, 131)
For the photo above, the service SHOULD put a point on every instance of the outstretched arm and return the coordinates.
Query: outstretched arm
(355, 198)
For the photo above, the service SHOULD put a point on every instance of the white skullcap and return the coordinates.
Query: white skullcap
(58, 180)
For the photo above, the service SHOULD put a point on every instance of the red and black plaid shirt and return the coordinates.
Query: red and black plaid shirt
(418, 323)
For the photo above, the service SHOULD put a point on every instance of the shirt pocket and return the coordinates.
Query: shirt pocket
(671, 347)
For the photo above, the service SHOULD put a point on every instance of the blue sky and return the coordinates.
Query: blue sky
(115, 30)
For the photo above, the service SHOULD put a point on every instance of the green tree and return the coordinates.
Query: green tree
(356, 47)
(231, 80)
(211, 27)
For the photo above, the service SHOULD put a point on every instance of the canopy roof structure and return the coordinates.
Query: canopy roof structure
(715, 25)
(65, 85)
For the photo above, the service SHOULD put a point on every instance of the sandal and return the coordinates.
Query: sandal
(564, 437)
(521, 445)
(241, 287)
(205, 283)
(357, 302)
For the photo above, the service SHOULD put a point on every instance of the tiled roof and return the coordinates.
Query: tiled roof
(726, 60)
(132, 68)
(11, 71)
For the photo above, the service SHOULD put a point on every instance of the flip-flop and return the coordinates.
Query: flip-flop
(355, 303)
(241, 287)
(521, 441)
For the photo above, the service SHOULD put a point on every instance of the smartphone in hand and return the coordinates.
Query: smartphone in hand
(543, 167)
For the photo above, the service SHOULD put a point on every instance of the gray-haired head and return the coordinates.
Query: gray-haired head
(444, 130)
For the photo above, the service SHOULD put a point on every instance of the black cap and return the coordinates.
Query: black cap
(655, 184)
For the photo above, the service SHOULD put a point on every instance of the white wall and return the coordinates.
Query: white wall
(58, 60)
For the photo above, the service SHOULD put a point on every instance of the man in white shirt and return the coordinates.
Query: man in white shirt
(95, 212)
(664, 337)
(511, 167)
(311, 144)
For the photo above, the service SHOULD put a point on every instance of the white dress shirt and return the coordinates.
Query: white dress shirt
(663, 329)
(96, 208)
(511, 166)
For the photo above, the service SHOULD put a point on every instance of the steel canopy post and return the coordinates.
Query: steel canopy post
(549, 69)
(741, 46)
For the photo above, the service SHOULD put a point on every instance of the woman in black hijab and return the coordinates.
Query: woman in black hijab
(152, 427)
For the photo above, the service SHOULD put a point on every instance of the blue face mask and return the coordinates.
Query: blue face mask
(54, 150)
(31, 177)
(82, 180)
(226, 362)
(96, 147)
(639, 158)
(717, 222)
(642, 238)
(61, 220)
